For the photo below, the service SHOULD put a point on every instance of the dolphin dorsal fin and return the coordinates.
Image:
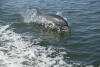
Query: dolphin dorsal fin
(38, 10)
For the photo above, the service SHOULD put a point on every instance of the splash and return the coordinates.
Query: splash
(31, 17)
(15, 51)
(60, 14)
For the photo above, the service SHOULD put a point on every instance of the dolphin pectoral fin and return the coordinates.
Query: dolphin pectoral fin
(38, 10)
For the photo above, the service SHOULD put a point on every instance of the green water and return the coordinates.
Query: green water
(80, 47)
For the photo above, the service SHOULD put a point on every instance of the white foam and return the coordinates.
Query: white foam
(16, 53)
(3, 28)
(59, 13)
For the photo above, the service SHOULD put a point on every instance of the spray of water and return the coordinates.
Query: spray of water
(15, 52)
(31, 17)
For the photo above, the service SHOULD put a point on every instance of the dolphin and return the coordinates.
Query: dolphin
(59, 21)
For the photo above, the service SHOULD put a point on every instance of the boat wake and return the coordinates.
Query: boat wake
(15, 51)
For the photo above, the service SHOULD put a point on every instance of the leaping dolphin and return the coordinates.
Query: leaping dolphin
(60, 22)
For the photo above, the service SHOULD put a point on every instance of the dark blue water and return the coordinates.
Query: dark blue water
(24, 44)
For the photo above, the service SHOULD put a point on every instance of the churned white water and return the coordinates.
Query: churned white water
(15, 52)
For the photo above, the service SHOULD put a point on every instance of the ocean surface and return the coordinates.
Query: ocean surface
(25, 44)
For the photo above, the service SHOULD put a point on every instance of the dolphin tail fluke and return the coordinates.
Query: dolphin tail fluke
(38, 10)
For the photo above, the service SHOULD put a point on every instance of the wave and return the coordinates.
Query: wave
(15, 51)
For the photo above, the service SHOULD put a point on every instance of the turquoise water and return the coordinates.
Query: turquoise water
(24, 44)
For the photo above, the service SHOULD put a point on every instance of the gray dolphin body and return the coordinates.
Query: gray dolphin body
(56, 19)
